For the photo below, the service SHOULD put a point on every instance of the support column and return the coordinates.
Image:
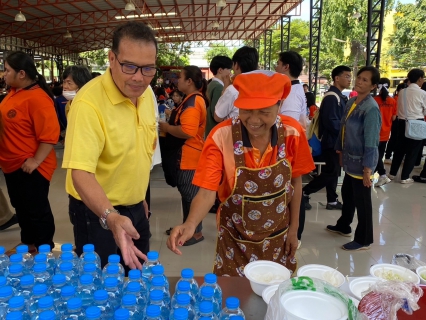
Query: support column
(267, 49)
(315, 37)
(285, 33)
(375, 21)
(60, 66)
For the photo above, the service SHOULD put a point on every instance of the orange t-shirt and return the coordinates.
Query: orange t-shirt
(387, 110)
(216, 171)
(29, 118)
(193, 123)
(312, 110)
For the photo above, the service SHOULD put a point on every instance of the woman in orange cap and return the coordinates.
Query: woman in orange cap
(255, 162)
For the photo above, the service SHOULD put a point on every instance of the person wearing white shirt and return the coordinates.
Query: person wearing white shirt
(244, 60)
(411, 106)
(290, 63)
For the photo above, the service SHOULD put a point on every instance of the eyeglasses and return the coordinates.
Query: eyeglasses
(128, 68)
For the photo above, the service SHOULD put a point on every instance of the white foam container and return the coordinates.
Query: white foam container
(318, 270)
(264, 266)
(421, 271)
(406, 274)
(359, 285)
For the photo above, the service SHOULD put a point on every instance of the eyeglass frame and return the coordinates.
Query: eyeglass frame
(122, 64)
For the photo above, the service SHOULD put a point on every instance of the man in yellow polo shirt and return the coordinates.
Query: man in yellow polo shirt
(111, 137)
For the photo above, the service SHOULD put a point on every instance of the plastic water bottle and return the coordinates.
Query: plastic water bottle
(74, 310)
(210, 280)
(26, 285)
(184, 288)
(14, 260)
(90, 249)
(42, 258)
(4, 260)
(207, 294)
(93, 313)
(188, 275)
(51, 259)
(113, 272)
(18, 304)
(158, 271)
(156, 297)
(15, 315)
(129, 302)
(121, 314)
(27, 257)
(206, 310)
(183, 300)
(68, 247)
(69, 257)
(114, 261)
(67, 293)
(6, 293)
(114, 293)
(135, 289)
(66, 268)
(158, 284)
(147, 265)
(232, 309)
(39, 291)
(47, 315)
(16, 271)
(88, 258)
(58, 282)
(153, 312)
(136, 276)
(92, 269)
(85, 290)
(44, 304)
(100, 299)
(41, 275)
(179, 314)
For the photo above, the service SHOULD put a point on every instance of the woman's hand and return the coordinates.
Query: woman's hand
(163, 126)
(291, 244)
(366, 179)
(30, 165)
(179, 235)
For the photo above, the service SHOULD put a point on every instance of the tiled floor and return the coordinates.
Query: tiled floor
(399, 226)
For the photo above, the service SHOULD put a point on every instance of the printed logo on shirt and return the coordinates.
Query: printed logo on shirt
(11, 113)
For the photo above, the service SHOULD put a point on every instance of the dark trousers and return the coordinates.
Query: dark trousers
(87, 229)
(405, 147)
(390, 148)
(356, 196)
(380, 166)
(420, 154)
(302, 214)
(188, 191)
(328, 177)
(29, 196)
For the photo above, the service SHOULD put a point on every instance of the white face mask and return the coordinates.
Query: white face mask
(69, 95)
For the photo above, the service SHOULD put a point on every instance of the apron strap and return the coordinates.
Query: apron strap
(237, 139)
(281, 136)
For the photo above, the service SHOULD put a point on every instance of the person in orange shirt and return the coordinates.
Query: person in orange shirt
(387, 106)
(27, 158)
(255, 163)
(184, 141)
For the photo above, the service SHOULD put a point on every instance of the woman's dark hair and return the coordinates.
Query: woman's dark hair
(19, 60)
(399, 88)
(375, 74)
(194, 73)
(79, 74)
(178, 92)
(384, 91)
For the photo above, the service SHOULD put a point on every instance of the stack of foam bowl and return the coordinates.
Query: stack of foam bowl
(327, 274)
(263, 273)
(421, 272)
(394, 272)
(360, 285)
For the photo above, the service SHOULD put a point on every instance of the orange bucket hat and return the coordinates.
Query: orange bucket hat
(261, 89)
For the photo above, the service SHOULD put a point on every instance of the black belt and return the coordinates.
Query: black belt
(118, 206)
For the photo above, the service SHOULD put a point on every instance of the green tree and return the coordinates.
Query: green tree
(173, 53)
(408, 42)
(97, 57)
(216, 49)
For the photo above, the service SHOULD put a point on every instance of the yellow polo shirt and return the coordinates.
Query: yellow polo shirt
(110, 137)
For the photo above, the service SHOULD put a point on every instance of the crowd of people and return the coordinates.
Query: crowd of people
(237, 145)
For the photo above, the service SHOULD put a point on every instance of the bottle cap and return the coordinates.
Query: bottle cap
(41, 257)
(238, 317)
(39, 288)
(67, 256)
(112, 269)
(134, 286)
(23, 248)
(66, 247)
(67, 291)
(2, 250)
(152, 255)
(207, 292)
(156, 295)
(47, 315)
(59, 279)
(184, 286)
(157, 281)
(27, 280)
(157, 270)
(129, 300)
(86, 279)
(89, 248)
(232, 303)
(134, 274)
(74, 303)
(89, 257)
(3, 281)
(14, 315)
(114, 258)
(180, 314)
(6, 291)
(45, 302)
(183, 299)
(16, 302)
(89, 267)
(17, 257)
(65, 266)
(187, 273)
(206, 307)
(153, 311)
(93, 312)
(39, 267)
(121, 314)
(110, 282)
(44, 248)
(210, 278)
(15, 268)
(100, 295)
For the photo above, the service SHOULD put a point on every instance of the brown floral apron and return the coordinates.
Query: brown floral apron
(253, 220)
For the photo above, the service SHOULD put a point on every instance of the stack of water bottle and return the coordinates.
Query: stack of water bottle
(71, 287)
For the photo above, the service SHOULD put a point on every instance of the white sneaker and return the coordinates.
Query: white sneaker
(391, 177)
(382, 181)
(388, 161)
(406, 181)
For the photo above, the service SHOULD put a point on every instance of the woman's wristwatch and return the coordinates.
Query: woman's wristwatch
(103, 218)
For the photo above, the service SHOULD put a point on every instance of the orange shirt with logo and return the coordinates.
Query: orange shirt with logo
(387, 110)
(28, 119)
(216, 169)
